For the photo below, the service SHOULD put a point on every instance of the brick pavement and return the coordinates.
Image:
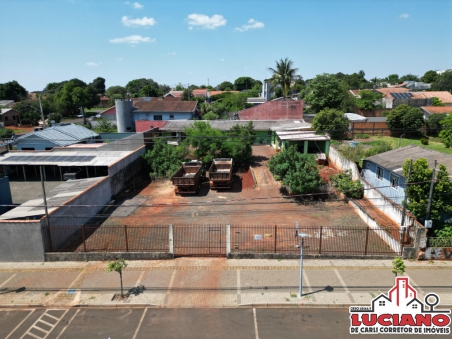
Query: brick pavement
(206, 282)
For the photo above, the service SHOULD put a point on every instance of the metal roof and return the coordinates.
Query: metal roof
(225, 125)
(296, 135)
(394, 160)
(55, 197)
(354, 117)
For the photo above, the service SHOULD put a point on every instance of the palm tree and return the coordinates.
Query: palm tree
(284, 75)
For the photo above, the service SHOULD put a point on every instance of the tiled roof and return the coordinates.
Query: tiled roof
(199, 91)
(444, 96)
(212, 93)
(176, 94)
(392, 90)
(104, 99)
(146, 125)
(111, 110)
(165, 106)
(274, 110)
(437, 109)
(394, 160)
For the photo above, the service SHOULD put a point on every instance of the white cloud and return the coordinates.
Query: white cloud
(252, 24)
(93, 64)
(205, 21)
(404, 16)
(132, 39)
(145, 21)
(135, 5)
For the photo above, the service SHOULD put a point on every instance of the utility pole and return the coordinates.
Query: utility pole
(42, 113)
(45, 207)
(402, 223)
(429, 205)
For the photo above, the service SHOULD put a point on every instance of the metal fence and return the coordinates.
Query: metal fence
(220, 240)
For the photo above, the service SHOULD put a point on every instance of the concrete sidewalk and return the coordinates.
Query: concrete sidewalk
(206, 282)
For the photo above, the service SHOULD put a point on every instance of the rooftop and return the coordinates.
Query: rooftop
(165, 106)
(297, 135)
(55, 197)
(437, 109)
(393, 160)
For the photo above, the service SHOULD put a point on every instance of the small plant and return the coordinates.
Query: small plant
(424, 141)
(398, 266)
(46, 294)
(287, 299)
(344, 183)
(118, 265)
(293, 295)
(372, 294)
(91, 298)
(362, 136)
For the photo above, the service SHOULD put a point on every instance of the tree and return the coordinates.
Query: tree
(54, 87)
(409, 77)
(344, 183)
(369, 100)
(164, 159)
(405, 118)
(98, 85)
(446, 133)
(239, 144)
(81, 98)
(398, 266)
(284, 74)
(12, 90)
(375, 82)
(393, 79)
(433, 123)
(297, 171)
(116, 90)
(134, 87)
(56, 117)
(85, 96)
(331, 121)
(150, 91)
(187, 95)
(354, 81)
(437, 102)
(210, 116)
(243, 83)
(5, 133)
(327, 92)
(418, 189)
(430, 77)
(30, 112)
(443, 82)
(104, 125)
(118, 266)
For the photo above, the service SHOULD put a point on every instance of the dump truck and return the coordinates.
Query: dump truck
(188, 179)
(220, 173)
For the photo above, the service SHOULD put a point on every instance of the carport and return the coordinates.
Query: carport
(306, 141)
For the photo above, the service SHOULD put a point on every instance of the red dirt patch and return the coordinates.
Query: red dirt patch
(326, 172)
(247, 180)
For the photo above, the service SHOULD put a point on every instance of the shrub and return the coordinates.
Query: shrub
(378, 147)
(210, 116)
(5, 133)
(424, 141)
(362, 136)
(344, 183)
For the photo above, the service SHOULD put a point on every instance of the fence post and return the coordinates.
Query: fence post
(171, 242)
(127, 242)
(228, 240)
(320, 244)
(276, 235)
(83, 236)
(367, 240)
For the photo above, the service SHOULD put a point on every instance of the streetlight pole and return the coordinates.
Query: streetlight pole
(42, 112)
(302, 235)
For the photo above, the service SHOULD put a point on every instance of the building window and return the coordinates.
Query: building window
(171, 117)
(394, 181)
(14, 117)
(379, 173)
(158, 117)
(6, 118)
(381, 303)
(414, 306)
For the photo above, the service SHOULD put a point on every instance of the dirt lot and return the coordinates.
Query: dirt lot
(263, 205)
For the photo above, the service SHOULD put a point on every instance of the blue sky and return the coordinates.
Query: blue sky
(187, 41)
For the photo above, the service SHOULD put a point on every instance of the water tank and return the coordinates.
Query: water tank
(124, 116)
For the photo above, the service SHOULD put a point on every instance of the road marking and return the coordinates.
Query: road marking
(345, 286)
(52, 326)
(7, 280)
(139, 324)
(255, 323)
(9, 335)
(65, 327)
(140, 278)
(165, 300)
(239, 289)
(305, 276)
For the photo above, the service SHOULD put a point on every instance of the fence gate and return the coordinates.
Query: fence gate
(199, 240)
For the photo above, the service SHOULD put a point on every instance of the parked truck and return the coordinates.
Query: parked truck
(188, 179)
(220, 173)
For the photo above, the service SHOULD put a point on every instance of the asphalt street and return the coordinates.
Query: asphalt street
(141, 323)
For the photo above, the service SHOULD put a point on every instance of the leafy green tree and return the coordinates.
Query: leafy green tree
(84, 95)
(118, 266)
(354, 81)
(5, 133)
(430, 77)
(419, 186)
(210, 116)
(30, 112)
(116, 90)
(56, 117)
(393, 79)
(243, 83)
(81, 98)
(54, 87)
(446, 133)
(405, 118)
(437, 102)
(296, 170)
(375, 82)
(164, 159)
(326, 92)
(98, 85)
(206, 141)
(239, 144)
(398, 266)
(279, 92)
(443, 82)
(104, 125)
(409, 77)
(369, 100)
(331, 121)
(187, 95)
(150, 91)
(179, 87)
(433, 123)
(134, 87)
(12, 90)
(345, 184)
(284, 74)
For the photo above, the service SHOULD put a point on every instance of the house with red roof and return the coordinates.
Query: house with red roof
(274, 110)
(429, 110)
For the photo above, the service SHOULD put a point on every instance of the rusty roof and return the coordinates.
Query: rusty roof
(437, 109)
(165, 106)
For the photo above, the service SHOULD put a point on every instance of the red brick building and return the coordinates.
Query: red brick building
(9, 116)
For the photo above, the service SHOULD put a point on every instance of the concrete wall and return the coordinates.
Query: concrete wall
(21, 241)
(396, 194)
(36, 143)
(165, 115)
(5, 195)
